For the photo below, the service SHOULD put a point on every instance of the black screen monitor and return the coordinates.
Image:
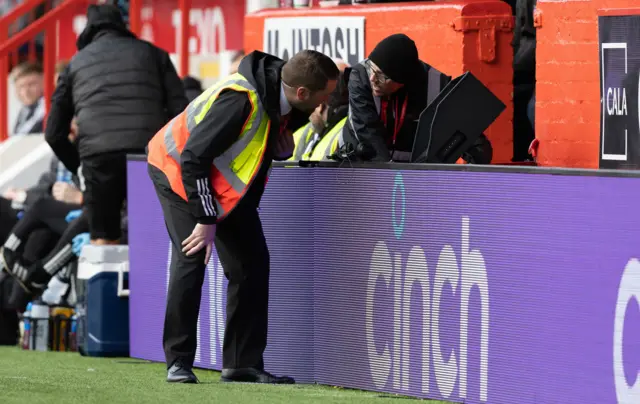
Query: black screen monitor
(450, 124)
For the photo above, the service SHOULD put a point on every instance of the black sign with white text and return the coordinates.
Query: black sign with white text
(619, 46)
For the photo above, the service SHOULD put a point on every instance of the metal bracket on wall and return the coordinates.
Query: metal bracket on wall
(486, 27)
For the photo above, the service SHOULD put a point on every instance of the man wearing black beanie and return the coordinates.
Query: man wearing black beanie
(387, 93)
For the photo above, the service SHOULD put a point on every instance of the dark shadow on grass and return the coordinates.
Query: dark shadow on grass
(134, 362)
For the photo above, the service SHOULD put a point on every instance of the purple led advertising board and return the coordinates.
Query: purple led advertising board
(475, 287)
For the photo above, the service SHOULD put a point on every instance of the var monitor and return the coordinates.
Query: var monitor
(450, 124)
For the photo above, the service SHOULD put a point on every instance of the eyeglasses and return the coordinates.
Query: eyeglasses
(378, 76)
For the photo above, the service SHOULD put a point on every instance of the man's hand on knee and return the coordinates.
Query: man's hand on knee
(201, 237)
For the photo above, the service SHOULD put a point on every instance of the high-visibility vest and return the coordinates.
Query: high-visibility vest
(234, 170)
(328, 145)
(302, 139)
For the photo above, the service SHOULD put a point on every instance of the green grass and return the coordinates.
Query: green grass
(53, 377)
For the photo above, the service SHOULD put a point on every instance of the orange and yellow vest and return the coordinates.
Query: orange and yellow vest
(329, 143)
(302, 138)
(234, 170)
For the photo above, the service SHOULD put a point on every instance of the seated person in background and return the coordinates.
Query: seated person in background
(319, 138)
(32, 276)
(308, 136)
(15, 201)
(387, 93)
(43, 223)
(29, 84)
(59, 263)
(235, 62)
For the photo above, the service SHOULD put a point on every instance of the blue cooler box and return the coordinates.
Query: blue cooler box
(103, 301)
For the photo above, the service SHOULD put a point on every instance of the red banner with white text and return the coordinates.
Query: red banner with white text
(215, 26)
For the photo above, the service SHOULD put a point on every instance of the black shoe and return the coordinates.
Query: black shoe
(179, 373)
(36, 279)
(252, 375)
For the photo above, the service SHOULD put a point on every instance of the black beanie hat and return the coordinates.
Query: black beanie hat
(397, 57)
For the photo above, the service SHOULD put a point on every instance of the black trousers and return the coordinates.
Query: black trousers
(243, 253)
(62, 254)
(8, 218)
(9, 327)
(45, 213)
(103, 179)
(44, 222)
(44, 230)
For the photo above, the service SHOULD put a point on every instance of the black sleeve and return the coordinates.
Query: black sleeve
(59, 123)
(364, 118)
(44, 185)
(175, 96)
(219, 129)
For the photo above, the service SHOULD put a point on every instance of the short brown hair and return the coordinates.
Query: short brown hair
(26, 69)
(310, 69)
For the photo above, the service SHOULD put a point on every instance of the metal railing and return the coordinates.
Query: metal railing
(46, 24)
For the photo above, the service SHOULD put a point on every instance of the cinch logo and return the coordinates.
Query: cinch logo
(214, 287)
(629, 290)
(391, 364)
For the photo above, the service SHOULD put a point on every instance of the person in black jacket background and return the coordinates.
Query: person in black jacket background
(387, 93)
(122, 91)
(524, 78)
(192, 87)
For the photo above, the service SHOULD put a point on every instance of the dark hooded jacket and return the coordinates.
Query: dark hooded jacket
(121, 89)
(192, 87)
(222, 126)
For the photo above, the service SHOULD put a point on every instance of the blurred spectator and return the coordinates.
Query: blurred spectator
(38, 231)
(192, 87)
(235, 62)
(60, 66)
(22, 22)
(524, 79)
(121, 100)
(29, 83)
(325, 119)
(330, 120)
(387, 93)
(342, 65)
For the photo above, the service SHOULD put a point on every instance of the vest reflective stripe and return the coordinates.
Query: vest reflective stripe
(301, 137)
(172, 149)
(329, 143)
(232, 171)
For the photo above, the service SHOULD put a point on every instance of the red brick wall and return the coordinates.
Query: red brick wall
(433, 26)
(568, 84)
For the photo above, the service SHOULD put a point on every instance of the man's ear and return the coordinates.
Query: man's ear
(302, 93)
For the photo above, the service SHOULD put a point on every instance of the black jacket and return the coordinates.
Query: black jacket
(524, 44)
(122, 91)
(364, 123)
(222, 126)
(192, 88)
